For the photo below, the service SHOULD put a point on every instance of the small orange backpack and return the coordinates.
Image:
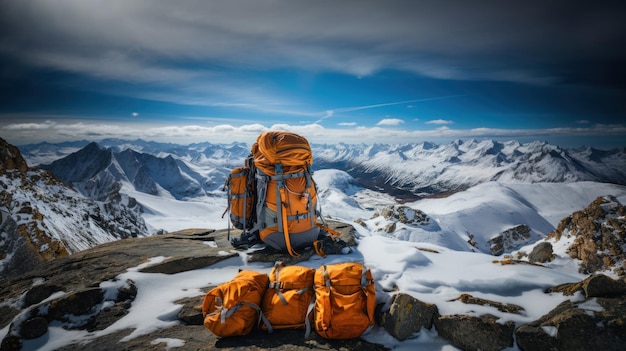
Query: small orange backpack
(289, 299)
(232, 308)
(345, 300)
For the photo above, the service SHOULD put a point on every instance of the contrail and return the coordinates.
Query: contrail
(330, 113)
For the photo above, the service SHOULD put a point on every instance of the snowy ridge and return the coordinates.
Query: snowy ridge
(418, 168)
(97, 173)
(53, 220)
(430, 168)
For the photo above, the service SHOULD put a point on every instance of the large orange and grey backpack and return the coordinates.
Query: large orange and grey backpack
(345, 300)
(233, 308)
(289, 300)
(279, 182)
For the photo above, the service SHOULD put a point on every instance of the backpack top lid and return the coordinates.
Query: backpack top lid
(285, 148)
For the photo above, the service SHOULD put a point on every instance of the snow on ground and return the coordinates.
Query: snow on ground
(436, 276)
(174, 215)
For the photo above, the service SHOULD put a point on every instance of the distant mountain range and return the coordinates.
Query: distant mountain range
(405, 171)
(427, 169)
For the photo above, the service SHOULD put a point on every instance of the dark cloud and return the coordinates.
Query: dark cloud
(111, 55)
(536, 42)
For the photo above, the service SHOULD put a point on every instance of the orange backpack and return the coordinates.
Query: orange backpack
(289, 299)
(241, 193)
(345, 299)
(273, 198)
(287, 196)
(232, 308)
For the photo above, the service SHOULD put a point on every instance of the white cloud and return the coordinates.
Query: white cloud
(347, 124)
(389, 122)
(30, 126)
(439, 121)
(71, 130)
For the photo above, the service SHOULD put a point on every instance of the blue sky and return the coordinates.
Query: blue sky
(352, 71)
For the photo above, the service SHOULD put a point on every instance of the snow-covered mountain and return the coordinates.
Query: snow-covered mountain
(42, 218)
(97, 172)
(429, 168)
(405, 171)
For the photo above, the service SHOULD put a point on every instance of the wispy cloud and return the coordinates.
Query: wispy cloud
(330, 113)
(439, 121)
(389, 122)
(347, 124)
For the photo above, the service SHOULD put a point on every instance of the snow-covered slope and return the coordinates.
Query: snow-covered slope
(52, 220)
(479, 214)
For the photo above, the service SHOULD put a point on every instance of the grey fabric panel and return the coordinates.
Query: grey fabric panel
(298, 240)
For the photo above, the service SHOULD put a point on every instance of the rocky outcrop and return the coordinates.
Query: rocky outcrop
(11, 158)
(72, 291)
(594, 323)
(405, 215)
(510, 239)
(597, 235)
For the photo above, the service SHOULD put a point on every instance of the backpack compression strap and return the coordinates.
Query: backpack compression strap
(226, 313)
(281, 195)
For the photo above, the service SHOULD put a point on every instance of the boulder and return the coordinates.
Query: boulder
(34, 328)
(476, 333)
(541, 253)
(586, 325)
(600, 285)
(407, 316)
(595, 323)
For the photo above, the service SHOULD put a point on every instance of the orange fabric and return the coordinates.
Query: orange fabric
(240, 197)
(294, 155)
(344, 308)
(295, 284)
(291, 150)
(245, 289)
